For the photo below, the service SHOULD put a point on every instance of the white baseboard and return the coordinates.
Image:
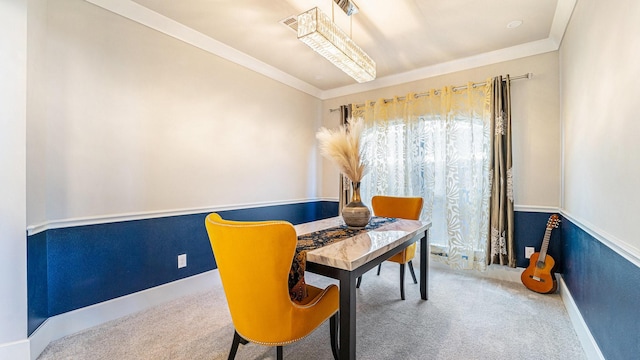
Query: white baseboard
(69, 323)
(72, 322)
(18, 350)
(589, 344)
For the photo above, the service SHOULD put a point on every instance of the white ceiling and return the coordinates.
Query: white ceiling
(408, 39)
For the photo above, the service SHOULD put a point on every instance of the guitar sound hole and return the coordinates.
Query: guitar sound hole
(540, 264)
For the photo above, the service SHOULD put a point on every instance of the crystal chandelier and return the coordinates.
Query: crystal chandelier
(322, 35)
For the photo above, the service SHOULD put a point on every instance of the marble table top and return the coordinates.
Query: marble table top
(351, 253)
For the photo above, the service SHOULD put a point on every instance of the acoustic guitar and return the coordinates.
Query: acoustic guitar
(539, 275)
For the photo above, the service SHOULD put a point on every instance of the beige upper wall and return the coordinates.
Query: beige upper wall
(535, 122)
(599, 66)
(125, 120)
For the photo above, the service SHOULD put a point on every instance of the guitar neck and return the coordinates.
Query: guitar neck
(545, 245)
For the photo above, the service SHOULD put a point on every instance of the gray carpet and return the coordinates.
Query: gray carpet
(466, 317)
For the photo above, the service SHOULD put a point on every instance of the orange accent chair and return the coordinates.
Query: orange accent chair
(404, 208)
(254, 260)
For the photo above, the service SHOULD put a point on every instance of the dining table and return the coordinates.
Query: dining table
(345, 254)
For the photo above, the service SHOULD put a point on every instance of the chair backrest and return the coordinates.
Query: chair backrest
(397, 206)
(254, 260)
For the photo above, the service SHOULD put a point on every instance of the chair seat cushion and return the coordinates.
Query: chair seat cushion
(405, 255)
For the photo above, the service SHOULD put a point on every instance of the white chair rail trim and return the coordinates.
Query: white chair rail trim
(607, 239)
(92, 220)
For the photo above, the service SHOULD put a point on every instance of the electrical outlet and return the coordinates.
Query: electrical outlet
(182, 261)
(528, 251)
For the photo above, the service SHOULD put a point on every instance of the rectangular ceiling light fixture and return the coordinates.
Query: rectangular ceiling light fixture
(348, 6)
(322, 35)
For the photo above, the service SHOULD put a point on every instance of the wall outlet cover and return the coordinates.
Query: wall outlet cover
(182, 261)
(528, 251)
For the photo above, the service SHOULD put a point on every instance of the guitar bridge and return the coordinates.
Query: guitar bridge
(536, 278)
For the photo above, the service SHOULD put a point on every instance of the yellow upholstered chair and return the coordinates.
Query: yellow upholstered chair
(254, 260)
(398, 207)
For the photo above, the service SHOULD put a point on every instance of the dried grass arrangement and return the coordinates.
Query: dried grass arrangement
(342, 147)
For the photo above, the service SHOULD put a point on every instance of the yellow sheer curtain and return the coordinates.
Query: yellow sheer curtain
(438, 146)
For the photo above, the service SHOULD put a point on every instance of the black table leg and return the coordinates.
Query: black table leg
(424, 266)
(347, 315)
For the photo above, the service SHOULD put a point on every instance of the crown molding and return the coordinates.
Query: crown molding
(471, 62)
(564, 10)
(112, 218)
(147, 17)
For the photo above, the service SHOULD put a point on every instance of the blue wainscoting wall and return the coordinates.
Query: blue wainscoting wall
(606, 289)
(37, 280)
(74, 267)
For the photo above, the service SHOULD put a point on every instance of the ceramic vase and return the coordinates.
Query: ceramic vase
(355, 213)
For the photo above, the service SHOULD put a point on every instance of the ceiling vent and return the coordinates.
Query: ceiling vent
(291, 22)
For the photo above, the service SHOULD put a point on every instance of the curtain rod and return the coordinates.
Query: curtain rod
(524, 76)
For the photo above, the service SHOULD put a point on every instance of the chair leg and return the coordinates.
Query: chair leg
(237, 340)
(413, 274)
(333, 331)
(402, 281)
(379, 267)
(279, 352)
(358, 282)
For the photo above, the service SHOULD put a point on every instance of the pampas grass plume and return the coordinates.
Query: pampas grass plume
(342, 147)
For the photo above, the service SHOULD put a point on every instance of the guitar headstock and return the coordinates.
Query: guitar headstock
(554, 221)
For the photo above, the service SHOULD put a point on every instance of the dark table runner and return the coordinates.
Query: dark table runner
(318, 239)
